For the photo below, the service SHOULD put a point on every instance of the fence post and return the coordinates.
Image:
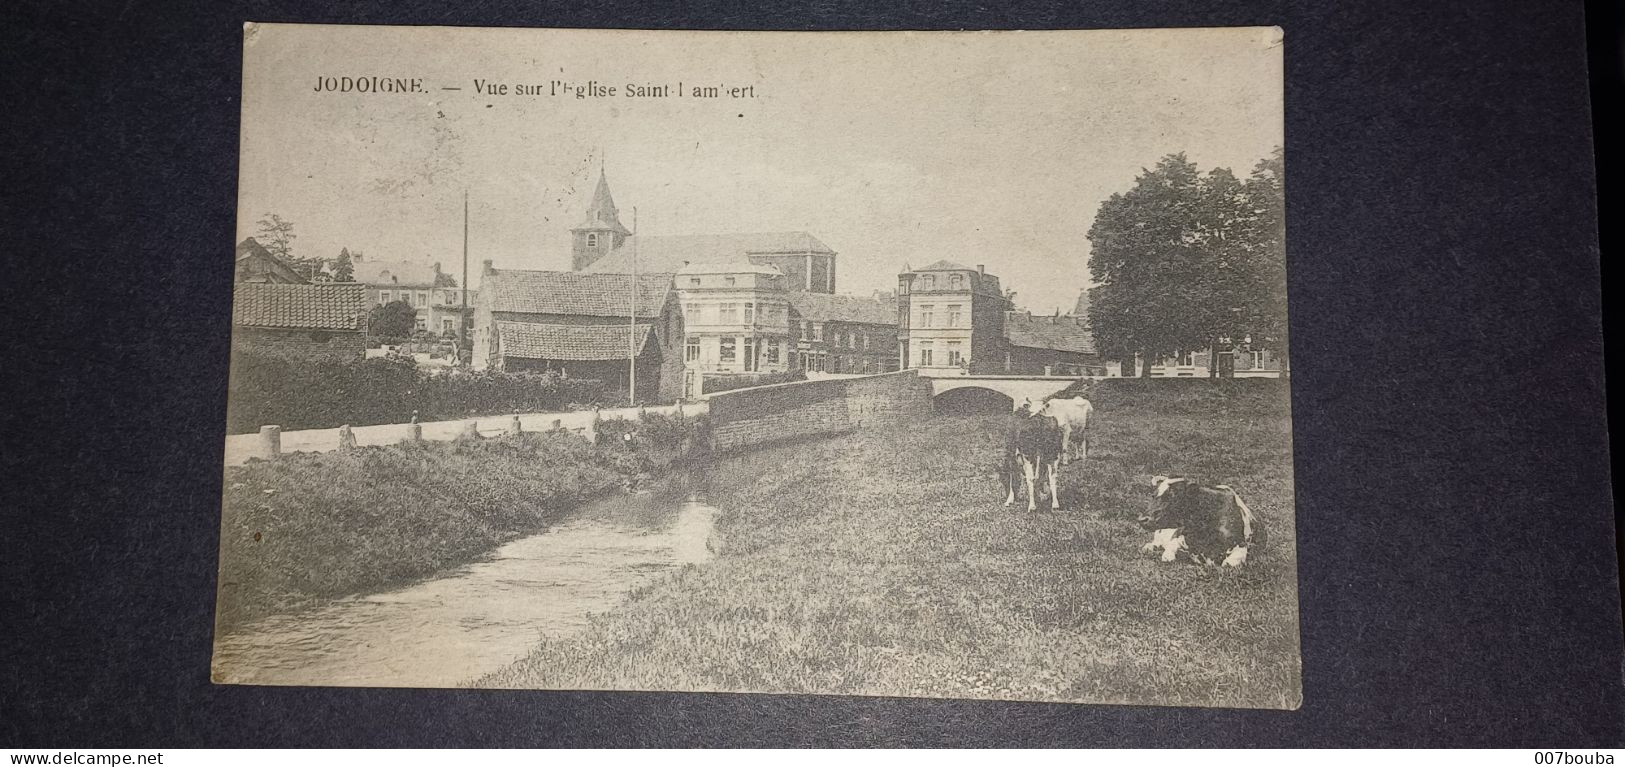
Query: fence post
(346, 438)
(471, 430)
(414, 430)
(592, 426)
(514, 426)
(270, 441)
(679, 413)
(558, 424)
(643, 415)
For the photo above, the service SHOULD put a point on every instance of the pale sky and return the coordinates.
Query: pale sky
(892, 148)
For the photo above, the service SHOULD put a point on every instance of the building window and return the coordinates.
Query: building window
(726, 352)
(730, 281)
(928, 282)
(693, 282)
(954, 315)
(691, 349)
(592, 240)
(770, 352)
(423, 298)
(727, 314)
(750, 354)
(421, 324)
(383, 297)
(446, 326)
(902, 287)
(1187, 359)
(1258, 360)
(750, 314)
(957, 282)
(925, 354)
(926, 315)
(954, 357)
(817, 334)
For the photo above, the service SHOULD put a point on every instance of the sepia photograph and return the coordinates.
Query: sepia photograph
(910, 364)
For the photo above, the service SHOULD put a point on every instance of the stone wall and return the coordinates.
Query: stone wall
(816, 408)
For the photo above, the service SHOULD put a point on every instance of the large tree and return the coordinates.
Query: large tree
(344, 267)
(396, 319)
(277, 236)
(1182, 259)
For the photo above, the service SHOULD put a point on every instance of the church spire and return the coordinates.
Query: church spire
(602, 213)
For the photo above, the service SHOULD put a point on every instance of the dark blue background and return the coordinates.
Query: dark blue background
(1459, 584)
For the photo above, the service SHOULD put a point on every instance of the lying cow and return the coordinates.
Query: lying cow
(1073, 416)
(1208, 524)
(1033, 446)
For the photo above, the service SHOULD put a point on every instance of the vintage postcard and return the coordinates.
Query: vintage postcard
(947, 365)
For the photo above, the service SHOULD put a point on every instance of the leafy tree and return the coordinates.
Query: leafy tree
(343, 267)
(443, 280)
(396, 319)
(277, 236)
(1182, 259)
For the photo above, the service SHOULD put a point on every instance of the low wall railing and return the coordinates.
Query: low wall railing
(272, 441)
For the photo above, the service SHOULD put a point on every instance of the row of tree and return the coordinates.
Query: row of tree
(1184, 259)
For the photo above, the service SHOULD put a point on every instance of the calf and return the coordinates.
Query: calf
(1073, 416)
(1209, 524)
(1033, 446)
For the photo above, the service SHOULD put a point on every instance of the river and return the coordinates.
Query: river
(471, 620)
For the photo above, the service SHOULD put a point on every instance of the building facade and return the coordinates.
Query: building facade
(950, 317)
(440, 307)
(582, 326)
(833, 333)
(1059, 344)
(737, 320)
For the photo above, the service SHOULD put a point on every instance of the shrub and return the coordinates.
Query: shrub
(297, 392)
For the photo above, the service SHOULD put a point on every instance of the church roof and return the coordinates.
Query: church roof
(542, 341)
(600, 295)
(668, 253)
(826, 307)
(1067, 333)
(602, 213)
(316, 306)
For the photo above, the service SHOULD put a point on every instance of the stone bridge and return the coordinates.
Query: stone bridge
(987, 393)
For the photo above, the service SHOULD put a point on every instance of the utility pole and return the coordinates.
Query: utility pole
(462, 315)
(632, 325)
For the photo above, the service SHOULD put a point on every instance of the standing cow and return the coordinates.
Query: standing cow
(1073, 416)
(1210, 525)
(1033, 446)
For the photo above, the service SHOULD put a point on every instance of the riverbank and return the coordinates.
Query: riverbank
(307, 527)
(884, 563)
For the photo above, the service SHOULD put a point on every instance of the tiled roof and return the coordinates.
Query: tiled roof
(1066, 333)
(598, 295)
(539, 341)
(389, 273)
(667, 253)
(825, 307)
(319, 306)
(943, 266)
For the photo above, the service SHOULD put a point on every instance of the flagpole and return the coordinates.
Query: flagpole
(462, 314)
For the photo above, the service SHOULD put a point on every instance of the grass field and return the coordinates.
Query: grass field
(884, 563)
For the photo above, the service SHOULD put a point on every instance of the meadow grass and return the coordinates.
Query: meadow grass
(884, 563)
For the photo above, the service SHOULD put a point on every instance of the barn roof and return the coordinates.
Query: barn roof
(668, 253)
(827, 307)
(542, 341)
(317, 306)
(944, 266)
(1067, 333)
(599, 295)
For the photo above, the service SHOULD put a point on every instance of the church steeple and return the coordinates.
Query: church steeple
(601, 231)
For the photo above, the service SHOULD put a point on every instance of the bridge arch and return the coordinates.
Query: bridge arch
(972, 400)
(1015, 388)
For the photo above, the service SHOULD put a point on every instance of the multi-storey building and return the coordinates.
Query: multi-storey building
(843, 334)
(737, 319)
(440, 307)
(950, 317)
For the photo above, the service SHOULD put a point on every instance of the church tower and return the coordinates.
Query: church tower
(601, 232)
